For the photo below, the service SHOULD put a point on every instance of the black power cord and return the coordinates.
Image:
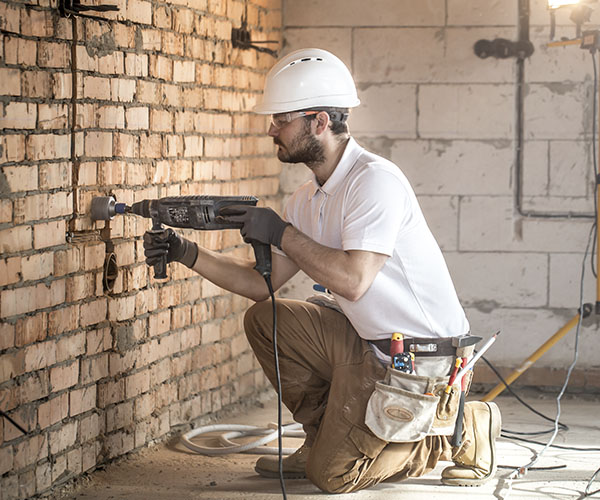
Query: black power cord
(267, 278)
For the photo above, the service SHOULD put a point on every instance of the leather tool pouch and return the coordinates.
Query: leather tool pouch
(406, 407)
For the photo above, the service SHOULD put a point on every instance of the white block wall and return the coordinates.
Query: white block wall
(448, 119)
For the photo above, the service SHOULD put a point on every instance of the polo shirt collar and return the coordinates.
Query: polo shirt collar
(347, 161)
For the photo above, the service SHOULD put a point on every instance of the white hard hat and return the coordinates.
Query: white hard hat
(307, 78)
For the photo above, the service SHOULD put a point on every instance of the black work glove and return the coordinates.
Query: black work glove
(259, 224)
(171, 244)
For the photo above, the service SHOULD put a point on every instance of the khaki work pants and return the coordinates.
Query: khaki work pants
(327, 376)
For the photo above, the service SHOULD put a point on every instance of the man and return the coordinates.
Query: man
(357, 230)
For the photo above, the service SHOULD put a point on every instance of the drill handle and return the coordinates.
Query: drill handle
(160, 268)
(262, 253)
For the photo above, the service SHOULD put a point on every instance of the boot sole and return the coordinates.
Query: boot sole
(495, 428)
(275, 474)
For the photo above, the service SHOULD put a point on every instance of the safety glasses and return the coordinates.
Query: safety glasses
(280, 120)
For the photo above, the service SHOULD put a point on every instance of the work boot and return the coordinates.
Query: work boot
(475, 460)
(294, 465)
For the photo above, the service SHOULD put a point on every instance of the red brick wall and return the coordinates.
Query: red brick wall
(153, 101)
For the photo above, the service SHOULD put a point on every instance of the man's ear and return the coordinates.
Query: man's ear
(322, 120)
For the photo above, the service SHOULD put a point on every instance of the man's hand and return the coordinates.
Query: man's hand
(259, 224)
(171, 244)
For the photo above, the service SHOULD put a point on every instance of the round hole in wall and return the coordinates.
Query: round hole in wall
(111, 271)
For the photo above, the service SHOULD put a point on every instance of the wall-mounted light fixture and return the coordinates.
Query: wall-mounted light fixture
(580, 13)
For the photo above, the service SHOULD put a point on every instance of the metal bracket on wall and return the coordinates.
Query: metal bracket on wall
(68, 8)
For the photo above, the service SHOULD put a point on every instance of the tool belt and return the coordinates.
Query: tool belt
(420, 346)
(407, 407)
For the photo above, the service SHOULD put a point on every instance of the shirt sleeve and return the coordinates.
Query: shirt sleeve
(378, 208)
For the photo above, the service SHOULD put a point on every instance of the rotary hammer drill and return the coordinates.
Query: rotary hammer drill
(190, 212)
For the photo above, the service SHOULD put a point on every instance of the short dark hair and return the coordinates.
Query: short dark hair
(338, 118)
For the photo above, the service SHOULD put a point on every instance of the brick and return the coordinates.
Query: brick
(36, 84)
(48, 147)
(6, 210)
(136, 65)
(49, 234)
(82, 400)
(43, 476)
(139, 11)
(75, 461)
(161, 67)
(150, 146)
(61, 85)
(184, 71)
(10, 18)
(98, 144)
(11, 81)
(110, 392)
(30, 450)
(54, 175)
(62, 438)
(6, 459)
(62, 377)
(122, 90)
(19, 115)
(36, 23)
(10, 271)
(21, 178)
(161, 120)
(15, 239)
(94, 255)
(7, 336)
(39, 356)
(90, 427)
(31, 329)
(54, 55)
(121, 308)
(93, 312)
(126, 146)
(94, 369)
(111, 117)
(30, 208)
(11, 365)
(137, 118)
(34, 387)
(37, 266)
(79, 287)
(67, 261)
(53, 116)
(172, 43)
(72, 346)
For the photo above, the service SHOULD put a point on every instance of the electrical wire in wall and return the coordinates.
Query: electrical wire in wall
(521, 471)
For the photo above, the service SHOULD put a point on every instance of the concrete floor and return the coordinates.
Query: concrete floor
(171, 471)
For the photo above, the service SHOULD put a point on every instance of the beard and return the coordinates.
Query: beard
(304, 148)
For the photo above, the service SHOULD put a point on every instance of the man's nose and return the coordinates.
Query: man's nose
(273, 130)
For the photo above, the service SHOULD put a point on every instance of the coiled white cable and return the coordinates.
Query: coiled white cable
(236, 431)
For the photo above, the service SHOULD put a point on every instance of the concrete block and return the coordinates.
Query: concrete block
(338, 41)
(456, 167)
(386, 109)
(555, 64)
(490, 224)
(466, 111)
(557, 110)
(535, 180)
(482, 13)
(441, 213)
(522, 332)
(565, 280)
(359, 13)
(570, 168)
(559, 205)
(508, 279)
(375, 62)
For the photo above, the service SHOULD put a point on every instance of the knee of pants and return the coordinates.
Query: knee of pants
(257, 317)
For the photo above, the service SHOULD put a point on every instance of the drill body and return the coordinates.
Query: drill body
(187, 212)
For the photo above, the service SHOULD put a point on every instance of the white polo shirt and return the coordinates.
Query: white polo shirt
(368, 204)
